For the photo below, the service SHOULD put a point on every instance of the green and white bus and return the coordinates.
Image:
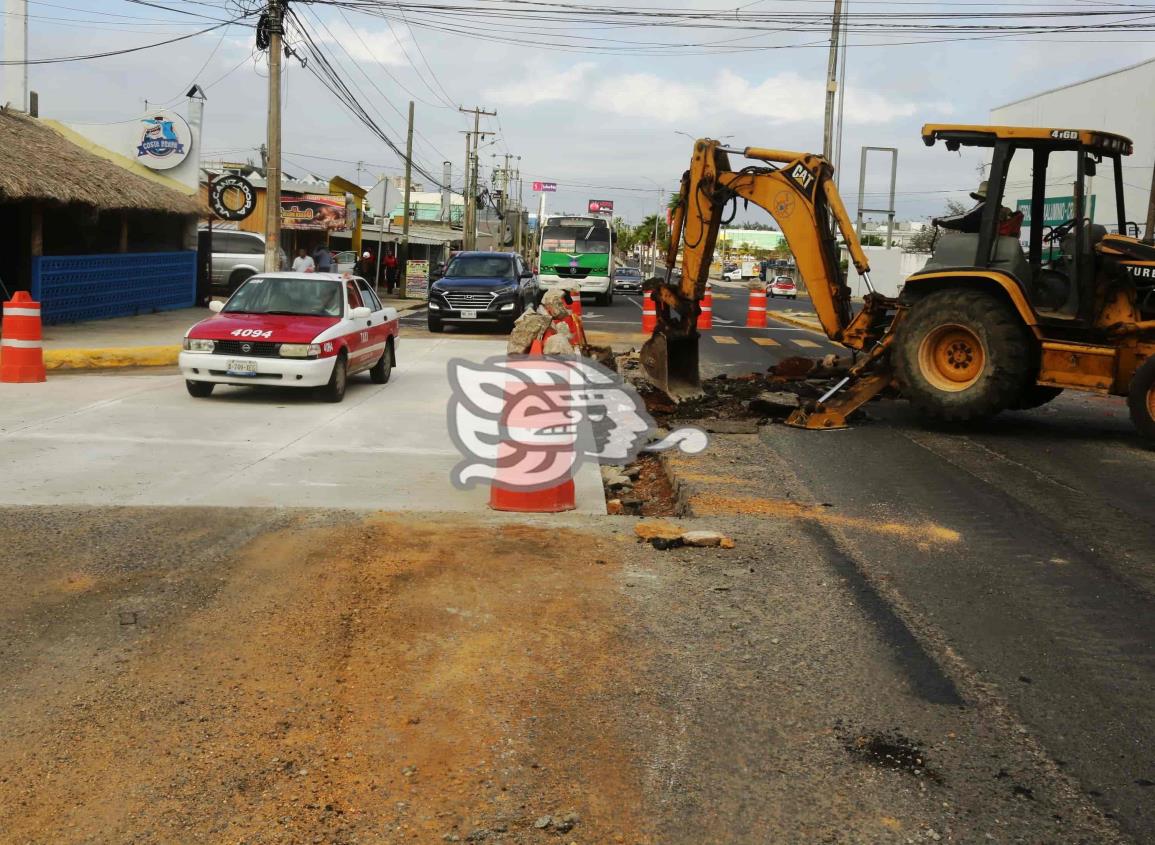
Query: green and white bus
(577, 252)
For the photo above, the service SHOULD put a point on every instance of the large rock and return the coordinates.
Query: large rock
(529, 327)
(554, 303)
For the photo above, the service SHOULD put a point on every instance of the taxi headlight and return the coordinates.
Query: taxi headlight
(300, 350)
(192, 344)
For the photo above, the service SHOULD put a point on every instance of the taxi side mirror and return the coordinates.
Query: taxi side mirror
(216, 305)
(360, 311)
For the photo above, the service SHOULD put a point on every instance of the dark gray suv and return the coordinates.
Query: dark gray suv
(492, 288)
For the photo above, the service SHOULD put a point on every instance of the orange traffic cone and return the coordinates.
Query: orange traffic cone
(575, 305)
(756, 316)
(21, 347)
(504, 495)
(649, 315)
(706, 316)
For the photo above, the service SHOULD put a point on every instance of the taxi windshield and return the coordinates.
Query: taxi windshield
(304, 297)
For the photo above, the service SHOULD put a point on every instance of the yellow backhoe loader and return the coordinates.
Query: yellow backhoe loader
(986, 325)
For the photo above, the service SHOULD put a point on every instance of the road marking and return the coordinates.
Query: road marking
(724, 338)
(723, 321)
(765, 341)
(806, 344)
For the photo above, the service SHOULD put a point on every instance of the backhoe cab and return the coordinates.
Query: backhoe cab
(996, 319)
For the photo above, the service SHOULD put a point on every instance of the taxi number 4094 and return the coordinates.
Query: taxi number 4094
(251, 333)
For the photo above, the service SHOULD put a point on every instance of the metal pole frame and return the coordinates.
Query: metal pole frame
(889, 211)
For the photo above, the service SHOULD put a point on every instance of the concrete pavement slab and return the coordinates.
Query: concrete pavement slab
(87, 439)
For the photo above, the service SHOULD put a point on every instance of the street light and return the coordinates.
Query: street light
(657, 222)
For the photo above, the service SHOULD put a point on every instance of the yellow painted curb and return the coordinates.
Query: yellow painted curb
(809, 325)
(113, 356)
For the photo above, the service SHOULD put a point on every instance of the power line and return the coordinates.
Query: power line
(110, 53)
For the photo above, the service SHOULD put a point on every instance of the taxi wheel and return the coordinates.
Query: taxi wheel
(384, 367)
(334, 391)
(199, 389)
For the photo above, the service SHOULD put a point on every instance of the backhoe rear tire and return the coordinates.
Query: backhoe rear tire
(1141, 400)
(962, 355)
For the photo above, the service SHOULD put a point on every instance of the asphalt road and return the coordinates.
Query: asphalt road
(729, 347)
(1049, 597)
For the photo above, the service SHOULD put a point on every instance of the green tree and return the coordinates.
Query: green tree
(923, 240)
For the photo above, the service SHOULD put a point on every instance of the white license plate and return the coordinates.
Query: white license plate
(469, 314)
(241, 368)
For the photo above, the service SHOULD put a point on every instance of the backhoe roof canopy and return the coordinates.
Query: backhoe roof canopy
(1026, 136)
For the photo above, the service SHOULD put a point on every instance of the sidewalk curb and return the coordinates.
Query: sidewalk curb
(112, 356)
(810, 325)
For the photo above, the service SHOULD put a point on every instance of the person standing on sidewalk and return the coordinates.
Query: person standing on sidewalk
(323, 259)
(303, 263)
(390, 273)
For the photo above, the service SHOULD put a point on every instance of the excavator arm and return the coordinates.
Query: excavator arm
(798, 191)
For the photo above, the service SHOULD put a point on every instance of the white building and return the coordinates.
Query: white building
(1113, 102)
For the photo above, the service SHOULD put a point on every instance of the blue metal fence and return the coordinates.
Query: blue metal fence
(71, 288)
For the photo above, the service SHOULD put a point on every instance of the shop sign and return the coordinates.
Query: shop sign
(605, 207)
(232, 197)
(545, 187)
(417, 279)
(315, 213)
(165, 140)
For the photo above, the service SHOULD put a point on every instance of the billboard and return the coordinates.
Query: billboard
(605, 207)
(316, 213)
(545, 187)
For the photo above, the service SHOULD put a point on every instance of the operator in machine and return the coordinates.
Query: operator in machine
(969, 222)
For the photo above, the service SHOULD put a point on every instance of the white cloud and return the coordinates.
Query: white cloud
(366, 45)
(541, 86)
(783, 98)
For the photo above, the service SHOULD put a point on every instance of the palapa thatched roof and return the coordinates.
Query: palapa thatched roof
(38, 164)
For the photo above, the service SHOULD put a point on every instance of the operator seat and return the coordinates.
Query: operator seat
(957, 250)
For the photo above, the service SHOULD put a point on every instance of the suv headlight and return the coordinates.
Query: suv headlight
(506, 289)
(300, 350)
(192, 344)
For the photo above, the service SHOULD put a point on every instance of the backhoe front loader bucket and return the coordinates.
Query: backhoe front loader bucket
(671, 362)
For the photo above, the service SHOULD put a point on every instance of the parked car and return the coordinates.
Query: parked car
(236, 257)
(782, 286)
(628, 279)
(292, 330)
(482, 287)
(344, 261)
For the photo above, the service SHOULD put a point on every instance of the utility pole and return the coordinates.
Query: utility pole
(657, 241)
(403, 261)
(467, 195)
(16, 52)
(470, 204)
(275, 13)
(831, 81)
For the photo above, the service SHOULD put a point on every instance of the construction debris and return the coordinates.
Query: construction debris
(664, 535)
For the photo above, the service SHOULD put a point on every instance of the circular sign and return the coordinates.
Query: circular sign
(165, 140)
(232, 197)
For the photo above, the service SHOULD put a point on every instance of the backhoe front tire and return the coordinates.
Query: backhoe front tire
(962, 355)
(1141, 400)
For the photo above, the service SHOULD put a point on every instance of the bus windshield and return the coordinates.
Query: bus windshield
(576, 240)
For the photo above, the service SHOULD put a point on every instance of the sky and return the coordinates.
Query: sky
(605, 109)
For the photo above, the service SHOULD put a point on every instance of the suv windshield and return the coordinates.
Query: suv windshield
(307, 297)
(480, 266)
(627, 271)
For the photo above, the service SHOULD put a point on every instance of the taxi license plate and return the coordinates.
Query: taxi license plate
(469, 314)
(241, 368)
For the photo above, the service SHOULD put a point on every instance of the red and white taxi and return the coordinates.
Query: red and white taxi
(292, 330)
(782, 286)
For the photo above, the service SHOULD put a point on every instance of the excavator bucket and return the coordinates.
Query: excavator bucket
(671, 362)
